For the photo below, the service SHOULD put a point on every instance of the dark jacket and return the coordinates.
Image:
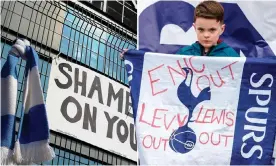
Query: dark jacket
(220, 50)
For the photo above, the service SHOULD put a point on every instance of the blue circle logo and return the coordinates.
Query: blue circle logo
(183, 140)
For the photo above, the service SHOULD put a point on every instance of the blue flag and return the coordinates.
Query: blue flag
(166, 26)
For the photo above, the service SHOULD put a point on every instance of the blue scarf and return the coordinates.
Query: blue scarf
(32, 144)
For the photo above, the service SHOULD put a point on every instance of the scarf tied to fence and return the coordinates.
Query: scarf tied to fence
(32, 142)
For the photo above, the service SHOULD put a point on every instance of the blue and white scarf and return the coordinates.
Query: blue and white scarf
(32, 144)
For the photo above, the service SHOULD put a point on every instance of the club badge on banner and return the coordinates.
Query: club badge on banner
(200, 110)
(89, 106)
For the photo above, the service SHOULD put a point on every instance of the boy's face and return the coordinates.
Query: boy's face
(208, 31)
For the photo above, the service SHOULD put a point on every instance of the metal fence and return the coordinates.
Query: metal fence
(77, 34)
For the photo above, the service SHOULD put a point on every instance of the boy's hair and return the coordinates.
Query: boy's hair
(209, 9)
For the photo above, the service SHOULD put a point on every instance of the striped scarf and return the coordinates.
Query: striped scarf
(32, 143)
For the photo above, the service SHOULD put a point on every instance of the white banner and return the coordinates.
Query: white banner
(193, 110)
(91, 107)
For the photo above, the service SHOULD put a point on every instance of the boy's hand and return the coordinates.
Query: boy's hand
(122, 53)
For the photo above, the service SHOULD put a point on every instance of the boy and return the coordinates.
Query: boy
(209, 25)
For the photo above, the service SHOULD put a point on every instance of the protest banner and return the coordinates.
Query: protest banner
(203, 110)
(91, 107)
